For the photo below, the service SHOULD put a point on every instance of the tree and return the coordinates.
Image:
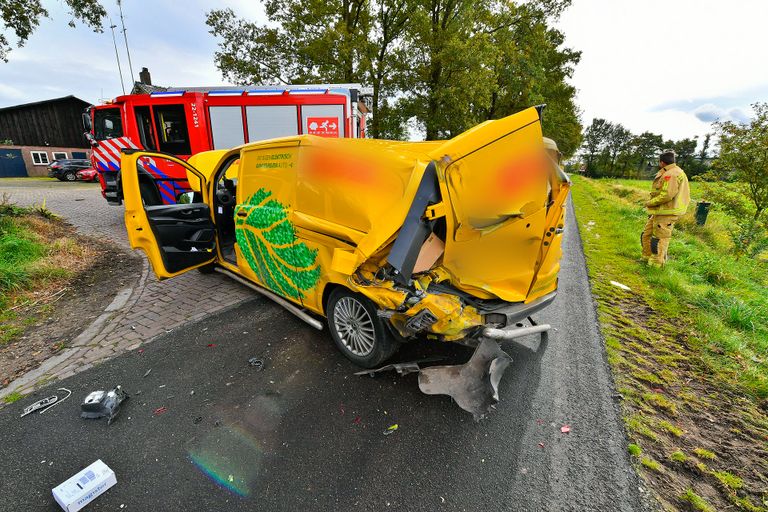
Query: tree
(744, 155)
(447, 64)
(617, 141)
(646, 149)
(594, 142)
(22, 17)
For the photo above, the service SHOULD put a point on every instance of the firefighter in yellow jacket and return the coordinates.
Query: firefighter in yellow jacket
(670, 196)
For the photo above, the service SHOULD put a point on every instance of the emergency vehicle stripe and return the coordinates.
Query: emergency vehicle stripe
(165, 189)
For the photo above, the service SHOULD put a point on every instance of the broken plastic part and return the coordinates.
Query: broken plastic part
(401, 368)
(473, 385)
(102, 403)
(257, 363)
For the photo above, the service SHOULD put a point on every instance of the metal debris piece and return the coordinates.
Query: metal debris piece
(40, 404)
(58, 401)
(159, 411)
(102, 403)
(257, 363)
(46, 403)
(402, 368)
(473, 385)
(565, 429)
(148, 372)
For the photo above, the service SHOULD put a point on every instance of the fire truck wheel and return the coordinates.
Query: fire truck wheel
(357, 330)
(70, 176)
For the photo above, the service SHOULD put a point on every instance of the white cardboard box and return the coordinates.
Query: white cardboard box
(84, 487)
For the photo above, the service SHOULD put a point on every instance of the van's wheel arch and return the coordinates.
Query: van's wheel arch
(357, 330)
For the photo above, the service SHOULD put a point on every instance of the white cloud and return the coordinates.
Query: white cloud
(639, 55)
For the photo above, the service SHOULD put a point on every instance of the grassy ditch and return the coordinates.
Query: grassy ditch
(35, 259)
(688, 346)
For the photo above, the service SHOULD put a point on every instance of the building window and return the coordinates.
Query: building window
(40, 157)
(59, 155)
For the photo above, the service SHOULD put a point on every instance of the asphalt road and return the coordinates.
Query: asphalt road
(305, 434)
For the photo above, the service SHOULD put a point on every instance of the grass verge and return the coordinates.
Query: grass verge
(688, 346)
(35, 261)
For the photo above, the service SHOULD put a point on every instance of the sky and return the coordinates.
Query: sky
(665, 66)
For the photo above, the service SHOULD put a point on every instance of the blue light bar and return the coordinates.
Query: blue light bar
(225, 92)
(168, 94)
(262, 92)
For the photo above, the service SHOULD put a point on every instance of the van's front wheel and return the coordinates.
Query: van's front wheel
(357, 330)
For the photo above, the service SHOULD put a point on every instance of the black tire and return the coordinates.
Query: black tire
(70, 176)
(368, 342)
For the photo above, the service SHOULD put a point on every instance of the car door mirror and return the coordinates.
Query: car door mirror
(189, 197)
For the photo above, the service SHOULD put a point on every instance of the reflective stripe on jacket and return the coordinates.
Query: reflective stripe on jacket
(670, 194)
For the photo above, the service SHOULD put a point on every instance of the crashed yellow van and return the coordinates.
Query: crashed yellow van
(454, 241)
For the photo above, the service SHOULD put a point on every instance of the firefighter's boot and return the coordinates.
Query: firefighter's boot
(662, 232)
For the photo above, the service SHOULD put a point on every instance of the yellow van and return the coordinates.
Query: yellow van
(454, 240)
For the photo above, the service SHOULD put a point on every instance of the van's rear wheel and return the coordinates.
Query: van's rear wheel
(357, 330)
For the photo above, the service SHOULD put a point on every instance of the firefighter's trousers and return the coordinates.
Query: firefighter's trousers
(655, 238)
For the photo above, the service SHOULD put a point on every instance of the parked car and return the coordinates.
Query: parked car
(66, 169)
(88, 175)
(390, 242)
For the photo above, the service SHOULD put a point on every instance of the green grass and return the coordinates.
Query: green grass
(634, 450)
(704, 454)
(25, 265)
(650, 464)
(13, 397)
(729, 480)
(697, 502)
(678, 456)
(722, 298)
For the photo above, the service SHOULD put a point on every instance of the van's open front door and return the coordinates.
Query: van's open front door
(176, 237)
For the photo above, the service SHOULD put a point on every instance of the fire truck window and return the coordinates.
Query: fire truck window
(144, 124)
(172, 133)
(323, 120)
(268, 122)
(107, 124)
(226, 127)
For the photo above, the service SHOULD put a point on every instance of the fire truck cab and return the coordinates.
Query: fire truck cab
(187, 121)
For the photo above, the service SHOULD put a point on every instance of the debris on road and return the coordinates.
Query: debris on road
(358, 420)
(159, 411)
(148, 372)
(102, 403)
(541, 445)
(391, 429)
(402, 368)
(69, 393)
(46, 403)
(211, 345)
(474, 385)
(257, 363)
(197, 420)
(84, 487)
(620, 285)
(565, 429)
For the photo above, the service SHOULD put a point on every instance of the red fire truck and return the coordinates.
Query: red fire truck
(185, 121)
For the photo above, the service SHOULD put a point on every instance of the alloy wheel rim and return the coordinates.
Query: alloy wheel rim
(354, 326)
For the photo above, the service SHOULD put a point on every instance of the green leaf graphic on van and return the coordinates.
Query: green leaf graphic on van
(268, 242)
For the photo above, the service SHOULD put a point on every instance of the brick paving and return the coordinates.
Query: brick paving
(151, 308)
